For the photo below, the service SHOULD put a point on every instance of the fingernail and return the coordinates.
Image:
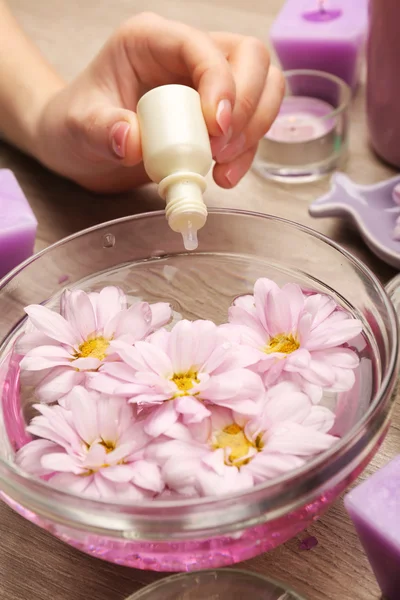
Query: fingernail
(232, 150)
(224, 115)
(217, 143)
(233, 176)
(119, 133)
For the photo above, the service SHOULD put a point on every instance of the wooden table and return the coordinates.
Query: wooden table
(34, 565)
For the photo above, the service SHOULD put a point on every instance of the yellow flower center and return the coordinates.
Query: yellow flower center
(234, 438)
(284, 343)
(185, 381)
(95, 348)
(109, 446)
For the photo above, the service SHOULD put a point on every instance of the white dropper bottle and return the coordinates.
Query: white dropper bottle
(177, 155)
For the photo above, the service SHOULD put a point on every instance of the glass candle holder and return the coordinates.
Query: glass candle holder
(229, 584)
(308, 139)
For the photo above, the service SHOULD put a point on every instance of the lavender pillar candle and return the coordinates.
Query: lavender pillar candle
(17, 224)
(374, 507)
(325, 35)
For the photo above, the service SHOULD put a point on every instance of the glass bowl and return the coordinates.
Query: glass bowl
(309, 137)
(229, 584)
(144, 257)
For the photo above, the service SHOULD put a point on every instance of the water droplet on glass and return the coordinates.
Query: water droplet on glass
(108, 240)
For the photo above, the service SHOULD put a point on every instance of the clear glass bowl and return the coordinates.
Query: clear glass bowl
(229, 584)
(144, 257)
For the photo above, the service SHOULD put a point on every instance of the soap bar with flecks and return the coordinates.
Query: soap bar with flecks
(17, 224)
(374, 507)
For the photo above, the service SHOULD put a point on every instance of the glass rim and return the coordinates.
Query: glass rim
(166, 581)
(46, 499)
(342, 85)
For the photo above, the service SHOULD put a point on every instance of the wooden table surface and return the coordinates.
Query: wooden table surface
(33, 564)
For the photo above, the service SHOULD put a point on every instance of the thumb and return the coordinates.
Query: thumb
(112, 133)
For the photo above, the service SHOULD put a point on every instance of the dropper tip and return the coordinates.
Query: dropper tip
(189, 235)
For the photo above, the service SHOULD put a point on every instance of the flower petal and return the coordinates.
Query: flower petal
(57, 383)
(86, 364)
(52, 324)
(29, 341)
(111, 301)
(83, 408)
(40, 363)
(72, 483)
(285, 402)
(81, 315)
(161, 419)
(155, 359)
(160, 314)
(262, 288)
(60, 462)
(29, 457)
(147, 475)
(320, 418)
(267, 465)
(193, 410)
(134, 322)
(182, 347)
(292, 438)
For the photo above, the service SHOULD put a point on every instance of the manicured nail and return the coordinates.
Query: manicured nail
(224, 116)
(119, 133)
(233, 175)
(232, 150)
(217, 143)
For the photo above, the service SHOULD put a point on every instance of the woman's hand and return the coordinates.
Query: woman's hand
(88, 131)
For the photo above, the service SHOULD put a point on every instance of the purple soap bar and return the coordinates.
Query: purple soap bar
(323, 35)
(17, 224)
(374, 507)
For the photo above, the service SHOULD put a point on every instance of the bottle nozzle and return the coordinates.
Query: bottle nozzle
(189, 235)
(185, 211)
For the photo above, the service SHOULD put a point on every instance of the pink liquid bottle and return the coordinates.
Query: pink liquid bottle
(383, 83)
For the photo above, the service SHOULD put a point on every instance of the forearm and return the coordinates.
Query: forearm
(27, 82)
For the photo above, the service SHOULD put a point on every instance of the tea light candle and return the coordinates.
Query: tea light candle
(17, 224)
(324, 35)
(374, 507)
(301, 119)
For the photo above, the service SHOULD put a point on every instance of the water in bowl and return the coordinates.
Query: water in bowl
(200, 286)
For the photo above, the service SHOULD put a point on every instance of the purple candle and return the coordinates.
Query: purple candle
(325, 35)
(17, 224)
(301, 119)
(374, 507)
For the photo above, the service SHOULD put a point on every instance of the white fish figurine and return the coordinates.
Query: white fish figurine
(375, 210)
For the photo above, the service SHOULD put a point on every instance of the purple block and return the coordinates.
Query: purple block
(326, 36)
(17, 224)
(374, 507)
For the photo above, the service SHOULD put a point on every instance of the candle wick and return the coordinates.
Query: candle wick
(321, 6)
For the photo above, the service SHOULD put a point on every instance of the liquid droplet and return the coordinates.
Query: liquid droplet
(189, 235)
(108, 240)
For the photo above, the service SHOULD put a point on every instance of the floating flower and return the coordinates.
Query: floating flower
(64, 347)
(94, 448)
(296, 336)
(184, 372)
(229, 452)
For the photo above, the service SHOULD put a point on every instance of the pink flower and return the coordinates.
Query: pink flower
(63, 348)
(94, 448)
(229, 452)
(183, 372)
(297, 337)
